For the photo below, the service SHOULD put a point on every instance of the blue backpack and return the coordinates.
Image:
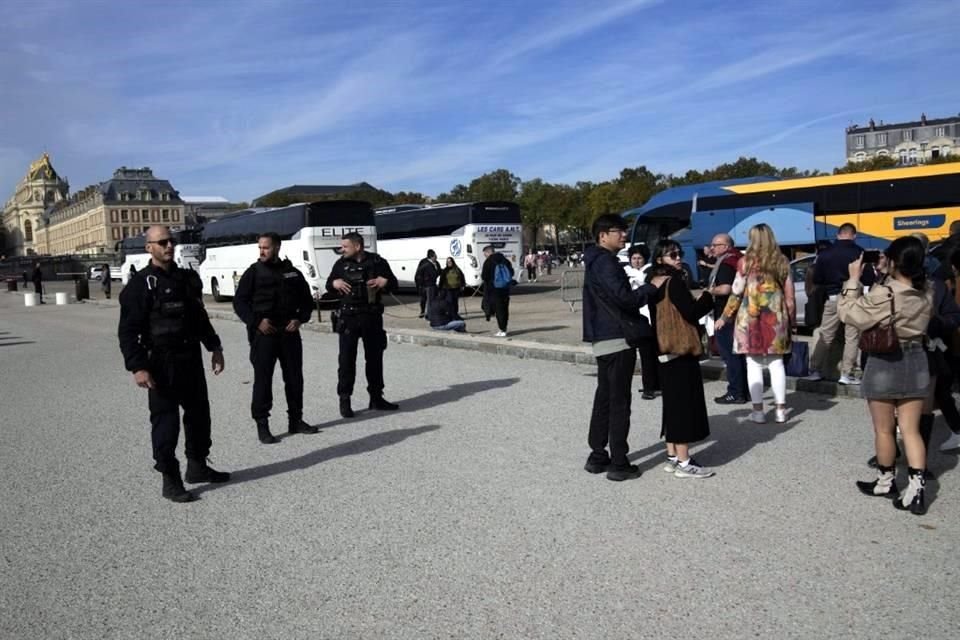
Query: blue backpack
(501, 276)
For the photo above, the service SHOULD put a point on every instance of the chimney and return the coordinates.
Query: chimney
(923, 118)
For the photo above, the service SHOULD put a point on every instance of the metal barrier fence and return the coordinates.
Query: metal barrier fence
(571, 287)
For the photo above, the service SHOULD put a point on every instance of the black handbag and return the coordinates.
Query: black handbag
(634, 330)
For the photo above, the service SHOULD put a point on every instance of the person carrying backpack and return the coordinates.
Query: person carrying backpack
(497, 276)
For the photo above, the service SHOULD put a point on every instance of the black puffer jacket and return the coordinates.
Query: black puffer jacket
(605, 278)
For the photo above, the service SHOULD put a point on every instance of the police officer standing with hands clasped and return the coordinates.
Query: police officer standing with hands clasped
(360, 278)
(273, 299)
(162, 324)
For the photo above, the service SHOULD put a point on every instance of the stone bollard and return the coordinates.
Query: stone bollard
(30, 299)
(62, 298)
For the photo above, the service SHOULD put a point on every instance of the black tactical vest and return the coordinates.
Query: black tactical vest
(361, 298)
(174, 297)
(276, 290)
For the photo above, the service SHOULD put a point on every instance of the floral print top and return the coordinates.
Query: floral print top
(762, 310)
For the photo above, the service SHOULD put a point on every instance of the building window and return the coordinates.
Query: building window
(165, 215)
(903, 156)
(883, 152)
(860, 157)
(907, 135)
(881, 139)
(114, 215)
(28, 231)
(124, 216)
(859, 141)
(116, 233)
(934, 152)
(155, 215)
(912, 155)
(176, 215)
(940, 132)
(944, 150)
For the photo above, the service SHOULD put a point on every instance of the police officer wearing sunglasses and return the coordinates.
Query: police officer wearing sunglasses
(162, 325)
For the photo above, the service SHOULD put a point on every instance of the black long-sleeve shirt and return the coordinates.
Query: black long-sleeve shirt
(243, 298)
(137, 304)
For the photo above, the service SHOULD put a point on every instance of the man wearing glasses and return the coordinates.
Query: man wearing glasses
(720, 284)
(162, 325)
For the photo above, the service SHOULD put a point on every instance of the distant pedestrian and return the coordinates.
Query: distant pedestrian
(830, 272)
(38, 281)
(676, 319)
(497, 277)
(26, 280)
(637, 274)
(273, 299)
(610, 306)
(725, 257)
(440, 316)
(105, 282)
(428, 272)
(530, 263)
(452, 283)
(763, 311)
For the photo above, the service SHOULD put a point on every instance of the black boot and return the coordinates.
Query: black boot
(377, 402)
(263, 432)
(173, 488)
(345, 409)
(872, 462)
(299, 426)
(884, 486)
(912, 498)
(200, 471)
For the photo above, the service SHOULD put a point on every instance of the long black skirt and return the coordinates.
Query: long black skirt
(684, 407)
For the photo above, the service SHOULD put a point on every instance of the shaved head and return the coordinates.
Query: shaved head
(157, 231)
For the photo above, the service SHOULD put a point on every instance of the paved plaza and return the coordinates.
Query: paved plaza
(464, 515)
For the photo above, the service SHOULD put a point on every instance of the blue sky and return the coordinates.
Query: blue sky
(238, 98)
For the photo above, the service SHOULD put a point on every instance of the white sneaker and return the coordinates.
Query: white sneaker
(758, 417)
(951, 443)
(500, 334)
(814, 376)
(670, 465)
(849, 380)
(781, 415)
(692, 470)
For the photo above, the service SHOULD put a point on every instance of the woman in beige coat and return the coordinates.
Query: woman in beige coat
(895, 384)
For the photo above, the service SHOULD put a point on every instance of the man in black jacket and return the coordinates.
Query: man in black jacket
(360, 277)
(496, 293)
(608, 303)
(428, 272)
(162, 325)
(38, 282)
(273, 299)
(830, 271)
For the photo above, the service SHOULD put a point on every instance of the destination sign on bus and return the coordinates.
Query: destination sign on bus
(336, 232)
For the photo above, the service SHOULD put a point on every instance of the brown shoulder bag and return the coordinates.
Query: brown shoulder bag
(675, 336)
(882, 338)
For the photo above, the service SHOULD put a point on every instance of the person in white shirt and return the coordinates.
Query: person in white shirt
(637, 274)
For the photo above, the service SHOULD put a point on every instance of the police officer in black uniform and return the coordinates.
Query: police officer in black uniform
(162, 325)
(360, 278)
(273, 299)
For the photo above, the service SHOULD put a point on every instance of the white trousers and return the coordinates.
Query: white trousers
(778, 378)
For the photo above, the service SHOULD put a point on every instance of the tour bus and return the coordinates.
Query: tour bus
(460, 231)
(310, 238)
(884, 205)
(186, 252)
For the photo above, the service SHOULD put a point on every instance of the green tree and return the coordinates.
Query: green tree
(534, 201)
(496, 185)
(459, 193)
(873, 164)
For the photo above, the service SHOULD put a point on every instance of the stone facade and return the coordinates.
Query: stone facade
(908, 142)
(93, 221)
(40, 189)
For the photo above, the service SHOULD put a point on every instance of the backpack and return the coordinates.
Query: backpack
(501, 276)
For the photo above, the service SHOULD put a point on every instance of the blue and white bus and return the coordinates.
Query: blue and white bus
(460, 231)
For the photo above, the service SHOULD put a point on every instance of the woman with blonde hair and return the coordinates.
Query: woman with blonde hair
(762, 306)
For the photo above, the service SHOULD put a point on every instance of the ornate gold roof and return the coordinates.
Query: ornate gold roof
(41, 169)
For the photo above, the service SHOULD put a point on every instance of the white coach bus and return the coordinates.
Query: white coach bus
(186, 252)
(460, 231)
(309, 234)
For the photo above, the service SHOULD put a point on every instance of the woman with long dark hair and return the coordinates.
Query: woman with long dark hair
(452, 281)
(895, 384)
(676, 318)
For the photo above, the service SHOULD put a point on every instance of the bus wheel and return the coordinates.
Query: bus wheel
(215, 288)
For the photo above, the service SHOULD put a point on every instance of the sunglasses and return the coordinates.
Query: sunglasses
(163, 242)
(674, 255)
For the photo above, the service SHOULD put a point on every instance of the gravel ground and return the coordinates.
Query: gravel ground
(464, 515)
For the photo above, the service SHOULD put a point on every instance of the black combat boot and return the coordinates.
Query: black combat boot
(299, 426)
(377, 402)
(200, 471)
(173, 488)
(345, 409)
(912, 498)
(263, 432)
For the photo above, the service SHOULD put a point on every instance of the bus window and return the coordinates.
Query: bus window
(306, 257)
